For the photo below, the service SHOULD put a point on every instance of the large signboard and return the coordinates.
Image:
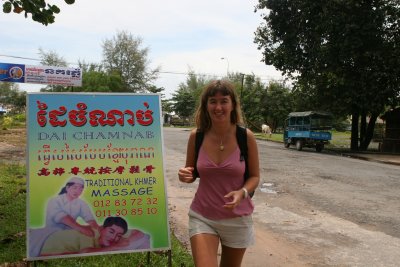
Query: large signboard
(95, 175)
(20, 73)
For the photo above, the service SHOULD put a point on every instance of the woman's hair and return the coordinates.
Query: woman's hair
(226, 88)
(64, 189)
(118, 221)
(73, 180)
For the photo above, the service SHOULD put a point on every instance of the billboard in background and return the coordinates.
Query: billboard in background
(96, 181)
(48, 75)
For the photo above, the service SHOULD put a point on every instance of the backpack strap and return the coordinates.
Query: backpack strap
(241, 137)
(198, 141)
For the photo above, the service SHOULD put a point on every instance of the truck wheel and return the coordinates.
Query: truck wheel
(287, 144)
(319, 147)
(299, 145)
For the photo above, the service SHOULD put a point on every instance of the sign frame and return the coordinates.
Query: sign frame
(119, 140)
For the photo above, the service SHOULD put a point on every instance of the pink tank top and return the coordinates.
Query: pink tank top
(215, 182)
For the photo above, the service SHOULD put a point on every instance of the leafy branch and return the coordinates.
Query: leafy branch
(40, 10)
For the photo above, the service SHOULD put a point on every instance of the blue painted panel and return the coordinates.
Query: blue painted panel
(310, 134)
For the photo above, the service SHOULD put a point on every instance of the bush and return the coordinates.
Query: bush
(6, 123)
(20, 117)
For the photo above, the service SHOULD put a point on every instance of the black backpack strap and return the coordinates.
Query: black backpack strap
(241, 137)
(198, 141)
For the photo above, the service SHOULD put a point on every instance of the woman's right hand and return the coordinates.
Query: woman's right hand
(186, 175)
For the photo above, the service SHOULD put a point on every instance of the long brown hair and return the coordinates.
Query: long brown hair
(226, 88)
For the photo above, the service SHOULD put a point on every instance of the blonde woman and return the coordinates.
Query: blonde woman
(221, 211)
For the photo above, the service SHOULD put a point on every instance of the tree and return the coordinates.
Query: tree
(184, 104)
(100, 81)
(40, 10)
(12, 97)
(186, 99)
(166, 104)
(51, 58)
(251, 91)
(278, 103)
(345, 53)
(95, 79)
(123, 54)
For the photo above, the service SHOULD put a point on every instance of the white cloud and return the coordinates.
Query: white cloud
(180, 34)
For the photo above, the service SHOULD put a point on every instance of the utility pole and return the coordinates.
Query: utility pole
(241, 88)
(241, 95)
(227, 69)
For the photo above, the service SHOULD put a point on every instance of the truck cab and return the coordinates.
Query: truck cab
(308, 129)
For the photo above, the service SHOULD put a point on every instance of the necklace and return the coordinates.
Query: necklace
(221, 146)
(221, 143)
(221, 139)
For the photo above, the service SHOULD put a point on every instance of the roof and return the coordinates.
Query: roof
(309, 113)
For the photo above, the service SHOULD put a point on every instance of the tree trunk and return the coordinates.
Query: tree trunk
(369, 134)
(354, 131)
(363, 125)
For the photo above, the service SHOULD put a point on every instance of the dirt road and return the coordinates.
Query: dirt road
(312, 209)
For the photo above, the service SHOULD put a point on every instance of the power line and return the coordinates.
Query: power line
(28, 58)
(263, 78)
(34, 59)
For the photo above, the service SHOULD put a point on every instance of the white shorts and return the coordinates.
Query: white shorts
(236, 232)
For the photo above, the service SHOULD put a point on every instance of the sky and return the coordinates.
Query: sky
(207, 37)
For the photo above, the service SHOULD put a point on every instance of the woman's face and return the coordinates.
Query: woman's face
(74, 191)
(219, 107)
(110, 235)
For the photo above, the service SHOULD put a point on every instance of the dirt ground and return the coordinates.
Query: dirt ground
(12, 145)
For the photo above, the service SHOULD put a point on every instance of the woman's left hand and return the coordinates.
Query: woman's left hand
(236, 197)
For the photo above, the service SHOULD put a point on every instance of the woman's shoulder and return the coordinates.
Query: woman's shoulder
(249, 132)
(193, 133)
(244, 128)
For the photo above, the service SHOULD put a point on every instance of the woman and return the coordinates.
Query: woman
(221, 209)
(63, 210)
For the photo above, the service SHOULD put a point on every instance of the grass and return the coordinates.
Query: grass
(339, 139)
(12, 212)
(13, 235)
